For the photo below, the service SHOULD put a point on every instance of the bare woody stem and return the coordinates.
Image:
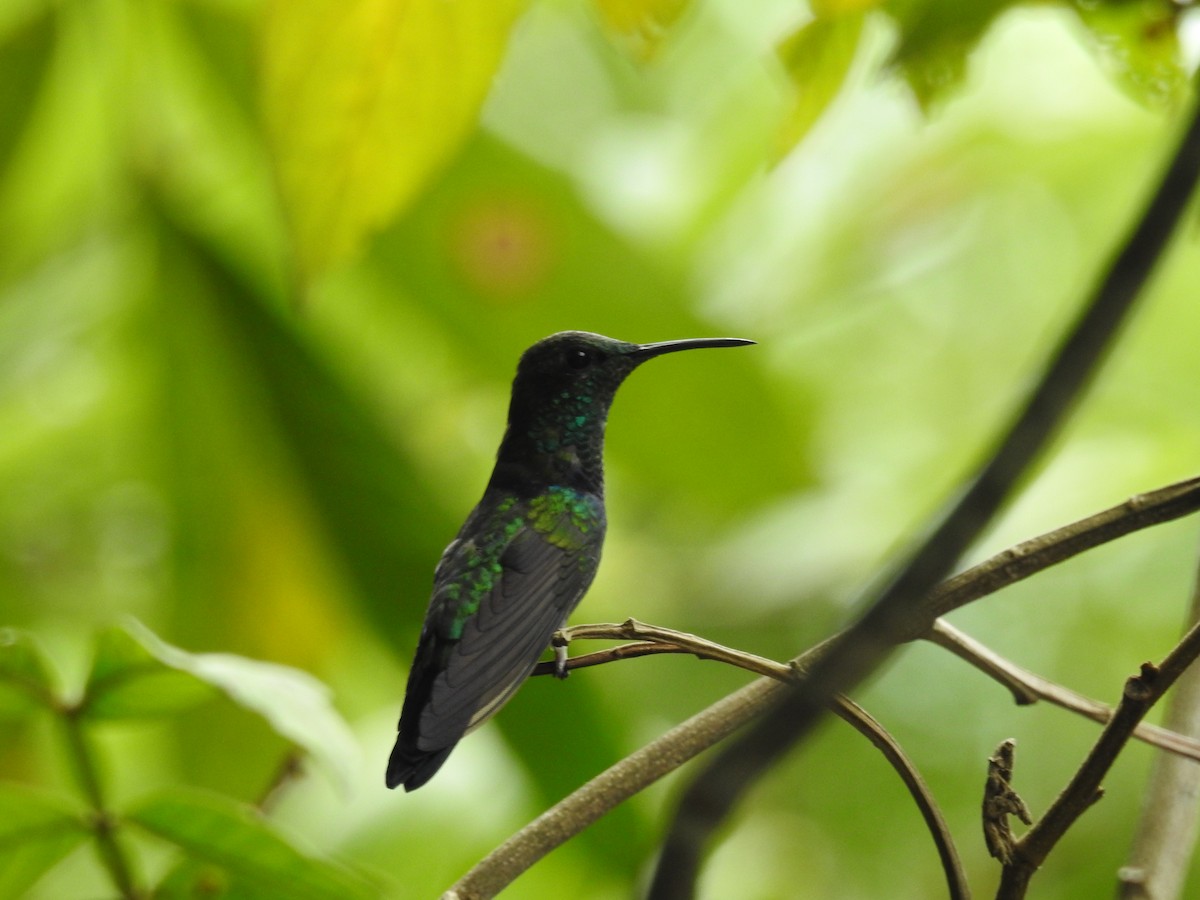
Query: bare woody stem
(1141, 692)
(1165, 838)
(103, 823)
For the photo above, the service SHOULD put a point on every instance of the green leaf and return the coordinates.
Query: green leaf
(936, 38)
(128, 681)
(25, 683)
(817, 57)
(1138, 43)
(295, 703)
(244, 844)
(36, 831)
(355, 473)
(364, 101)
(25, 56)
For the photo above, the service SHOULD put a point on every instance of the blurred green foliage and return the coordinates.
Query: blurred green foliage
(264, 277)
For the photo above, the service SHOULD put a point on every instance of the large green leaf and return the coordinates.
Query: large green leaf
(364, 489)
(364, 100)
(25, 54)
(135, 680)
(128, 681)
(25, 683)
(36, 831)
(246, 846)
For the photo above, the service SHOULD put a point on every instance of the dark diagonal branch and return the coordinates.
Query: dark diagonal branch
(1165, 838)
(714, 792)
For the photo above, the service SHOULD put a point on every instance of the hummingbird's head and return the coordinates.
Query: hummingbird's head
(591, 366)
(564, 387)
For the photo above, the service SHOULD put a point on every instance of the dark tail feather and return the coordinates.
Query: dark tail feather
(412, 767)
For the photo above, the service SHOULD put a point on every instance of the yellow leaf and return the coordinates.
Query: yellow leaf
(642, 23)
(831, 9)
(363, 101)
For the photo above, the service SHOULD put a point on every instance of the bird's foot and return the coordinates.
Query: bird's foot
(560, 661)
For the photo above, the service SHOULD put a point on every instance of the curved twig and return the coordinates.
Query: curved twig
(656, 639)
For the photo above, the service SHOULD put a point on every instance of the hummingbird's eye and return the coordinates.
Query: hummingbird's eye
(579, 358)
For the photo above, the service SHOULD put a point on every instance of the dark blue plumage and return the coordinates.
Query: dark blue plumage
(526, 554)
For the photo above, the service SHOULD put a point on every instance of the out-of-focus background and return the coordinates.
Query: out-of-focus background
(265, 273)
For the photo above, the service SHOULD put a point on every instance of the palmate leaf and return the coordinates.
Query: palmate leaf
(364, 100)
(252, 856)
(36, 831)
(25, 683)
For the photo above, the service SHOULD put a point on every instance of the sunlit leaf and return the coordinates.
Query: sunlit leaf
(1138, 44)
(128, 681)
(817, 57)
(364, 100)
(295, 703)
(643, 24)
(364, 488)
(25, 683)
(936, 38)
(829, 9)
(36, 831)
(240, 841)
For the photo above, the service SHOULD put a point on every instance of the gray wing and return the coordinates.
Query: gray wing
(537, 587)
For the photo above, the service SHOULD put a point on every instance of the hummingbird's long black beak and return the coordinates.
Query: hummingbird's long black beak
(646, 351)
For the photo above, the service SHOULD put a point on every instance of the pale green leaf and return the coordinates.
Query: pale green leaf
(296, 704)
(364, 100)
(36, 831)
(937, 37)
(128, 681)
(25, 683)
(642, 24)
(818, 57)
(238, 840)
(1138, 43)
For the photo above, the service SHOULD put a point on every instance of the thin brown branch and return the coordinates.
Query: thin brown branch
(1029, 687)
(1029, 557)
(866, 725)
(672, 641)
(1141, 692)
(1165, 838)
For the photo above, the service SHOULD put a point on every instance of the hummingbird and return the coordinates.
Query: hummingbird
(526, 554)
